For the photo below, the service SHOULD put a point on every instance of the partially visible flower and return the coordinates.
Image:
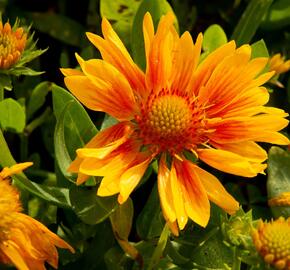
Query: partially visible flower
(272, 241)
(278, 64)
(17, 48)
(24, 242)
(282, 200)
(12, 44)
(178, 110)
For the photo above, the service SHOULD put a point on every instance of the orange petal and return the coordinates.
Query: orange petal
(10, 250)
(178, 198)
(249, 150)
(114, 52)
(159, 61)
(103, 96)
(148, 32)
(230, 162)
(215, 191)
(195, 199)
(165, 191)
(185, 59)
(14, 169)
(71, 72)
(131, 177)
(206, 68)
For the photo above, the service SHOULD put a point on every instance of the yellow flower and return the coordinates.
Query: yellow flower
(12, 44)
(278, 64)
(24, 242)
(272, 241)
(178, 110)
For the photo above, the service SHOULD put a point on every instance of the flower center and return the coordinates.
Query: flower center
(272, 240)
(12, 44)
(170, 121)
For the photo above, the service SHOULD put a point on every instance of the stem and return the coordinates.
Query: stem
(23, 147)
(37, 122)
(237, 260)
(160, 248)
(1, 93)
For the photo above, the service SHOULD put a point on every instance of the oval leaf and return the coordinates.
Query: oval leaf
(89, 207)
(214, 37)
(12, 115)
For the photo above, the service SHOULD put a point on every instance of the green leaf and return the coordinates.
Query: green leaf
(12, 115)
(213, 253)
(250, 21)
(122, 218)
(149, 222)
(108, 122)
(53, 195)
(61, 153)
(259, 49)
(37, 98)
(121, 14)
(18, 71)
(156, 9)
(157, 254)
(214, 37)
(89, 207)
(278, 15)
(58, 27)
(278, 178)
(5, 82)
(74, 128)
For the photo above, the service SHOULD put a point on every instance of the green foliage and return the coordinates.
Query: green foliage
(12, 115)
(41, 121)
(121, 13)
(213, 37)
(278, 178)
(278, 15)
(250, 21)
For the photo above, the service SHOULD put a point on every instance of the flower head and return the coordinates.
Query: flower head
(278, 64)
(272, 241)
(24, 242)
(177, 110)
(12, 44)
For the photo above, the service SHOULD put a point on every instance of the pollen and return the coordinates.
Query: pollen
(272, 241)
(168, 121)
(12, 44)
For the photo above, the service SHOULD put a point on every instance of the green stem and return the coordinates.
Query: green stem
(23, 147)
(37, 122)
(1, 93)
(237, 259)
(157, 254)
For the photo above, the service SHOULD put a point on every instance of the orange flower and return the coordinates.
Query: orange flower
(12, 44)
(177, 109)
(24, 242)
(272, 241)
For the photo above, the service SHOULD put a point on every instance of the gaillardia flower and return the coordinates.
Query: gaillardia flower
(24, 242)
(178, 110)
(12, 44)
(272, 241)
